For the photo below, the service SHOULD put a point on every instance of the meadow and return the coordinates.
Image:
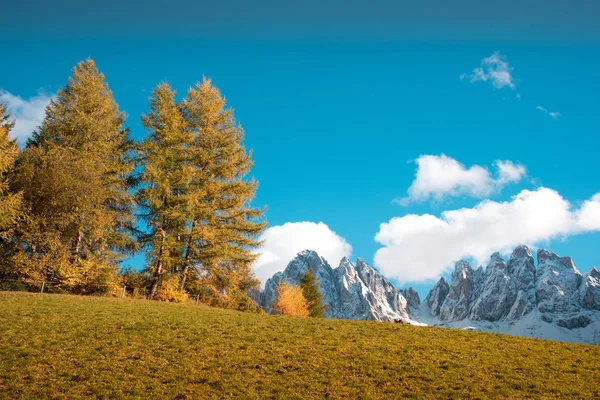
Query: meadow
(66, 346)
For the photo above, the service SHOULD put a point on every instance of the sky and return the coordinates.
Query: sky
(410, 134)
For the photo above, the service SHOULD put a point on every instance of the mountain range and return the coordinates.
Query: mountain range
(544, 298)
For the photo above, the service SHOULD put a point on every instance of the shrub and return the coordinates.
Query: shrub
(168, 290)
(136, 282)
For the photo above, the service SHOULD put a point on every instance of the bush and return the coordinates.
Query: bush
(94, 278)
(168, 290)
(13, 285)
(290, 301)
(136, 283)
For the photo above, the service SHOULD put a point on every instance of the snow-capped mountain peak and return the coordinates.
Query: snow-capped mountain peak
(350, 291)
(553, 300)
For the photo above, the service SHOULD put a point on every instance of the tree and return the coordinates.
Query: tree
(290, 301)
(196, 198)
(310, 290)
(223, 232)
(75, 175)
(165, 184)
(10, 202)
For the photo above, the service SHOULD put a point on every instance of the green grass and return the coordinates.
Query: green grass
(60, 346)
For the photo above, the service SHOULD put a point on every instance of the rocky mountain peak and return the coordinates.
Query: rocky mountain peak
(589, 292)
(521, 251)
(512, 296)
(294, 272)
(350, 291)
(496, 258)
(557, 283)
(497, 294)
(521, 259)
(462, 292)
(546, 257)
(496, 262)
(511, 290)
(436, 296)
(462, 270)
(362, 264)
(412, 297)
(345, 261)
(521, 269)
(543, 255)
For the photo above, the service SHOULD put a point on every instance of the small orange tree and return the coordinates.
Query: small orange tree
(290, 301)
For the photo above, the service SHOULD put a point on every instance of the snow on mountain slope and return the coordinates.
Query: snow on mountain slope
(553, 301)
(349, 291)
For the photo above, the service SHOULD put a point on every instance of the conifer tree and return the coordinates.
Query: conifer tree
(164, 185)
(290, 301)
(224, 227)
(310, 290)
(75, 175)
(10, 203)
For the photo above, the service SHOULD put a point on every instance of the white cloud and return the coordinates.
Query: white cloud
(283, 242)
(552, 114)
(588, 216)
(509, 172)
(28, 114)
(442, 176)
(494, 69)
(420, 248)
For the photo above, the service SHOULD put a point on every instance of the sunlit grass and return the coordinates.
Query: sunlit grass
(60, 346)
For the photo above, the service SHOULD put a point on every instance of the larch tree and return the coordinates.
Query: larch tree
(290, 301)
(75, 175)
(10, 202)
(224, 228)
(164, 182)
(310, 290)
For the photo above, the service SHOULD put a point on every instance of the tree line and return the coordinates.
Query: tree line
(82, 196)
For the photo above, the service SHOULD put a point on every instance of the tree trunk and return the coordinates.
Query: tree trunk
(77, 246)
(186, 265)
(159, 266)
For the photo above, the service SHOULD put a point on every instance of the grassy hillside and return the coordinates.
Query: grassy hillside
(66, 346)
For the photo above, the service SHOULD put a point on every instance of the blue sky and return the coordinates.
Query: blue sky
(338, 103)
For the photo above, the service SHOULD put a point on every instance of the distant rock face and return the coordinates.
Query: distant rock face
(436, 296)
(589, 292)
(510, 291)
(498, 294)
(412, 299)
(295, 271)
(462, 293)
(557, 283)
(521, 270)
(349, 291)
(578, 321)
(511, 295)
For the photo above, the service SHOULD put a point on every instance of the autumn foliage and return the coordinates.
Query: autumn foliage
(82, 196)
(290, 301)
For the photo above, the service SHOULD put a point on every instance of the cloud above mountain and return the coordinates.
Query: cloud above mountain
(440, 176)
(283, 242)
(27, 113)
(420, 248)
